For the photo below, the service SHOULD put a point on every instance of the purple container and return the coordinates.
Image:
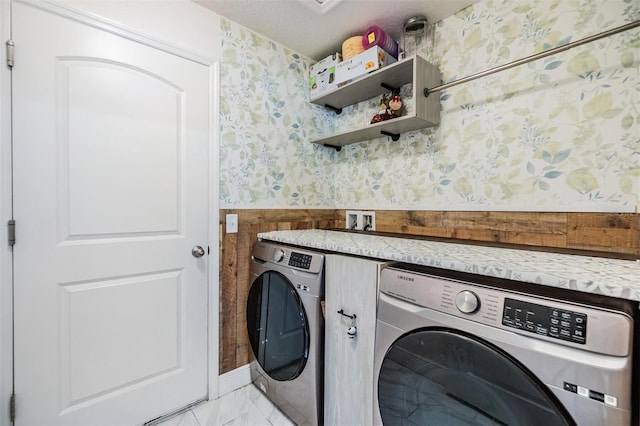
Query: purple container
(375, 36)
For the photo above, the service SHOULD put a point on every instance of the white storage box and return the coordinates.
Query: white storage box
(361, 64)
(322, 75)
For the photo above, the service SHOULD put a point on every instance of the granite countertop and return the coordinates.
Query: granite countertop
(605, 276)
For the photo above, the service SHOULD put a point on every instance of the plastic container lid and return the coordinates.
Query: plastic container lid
(351, 47)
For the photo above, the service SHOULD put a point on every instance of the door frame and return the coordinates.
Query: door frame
(6, 213)
(6, 189)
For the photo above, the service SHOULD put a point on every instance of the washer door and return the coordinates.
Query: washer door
(443, 377)
(278, 327)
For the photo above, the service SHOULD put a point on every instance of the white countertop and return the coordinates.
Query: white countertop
(610, 277)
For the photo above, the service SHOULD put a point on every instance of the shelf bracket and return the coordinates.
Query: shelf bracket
(337, 148)
(338, 111)
(389, 88)
(394, 136)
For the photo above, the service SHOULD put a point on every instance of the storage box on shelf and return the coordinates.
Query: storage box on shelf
(414, 70)
(358, 66)
(322, 75)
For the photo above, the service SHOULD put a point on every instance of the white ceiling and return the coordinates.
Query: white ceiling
(317, 28)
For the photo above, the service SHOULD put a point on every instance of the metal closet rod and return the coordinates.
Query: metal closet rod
(544, 54)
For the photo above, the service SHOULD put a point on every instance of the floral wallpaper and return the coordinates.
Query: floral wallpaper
(266, 123)
(558, 134)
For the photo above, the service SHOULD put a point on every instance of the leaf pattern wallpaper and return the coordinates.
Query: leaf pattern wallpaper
(558, 134)
(266, 122)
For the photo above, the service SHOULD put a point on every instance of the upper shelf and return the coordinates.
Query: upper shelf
(426, 111)
(394, 75)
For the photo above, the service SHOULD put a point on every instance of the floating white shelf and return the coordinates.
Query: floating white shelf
(414, 70)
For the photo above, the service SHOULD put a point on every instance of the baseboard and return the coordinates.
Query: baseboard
(235, 379)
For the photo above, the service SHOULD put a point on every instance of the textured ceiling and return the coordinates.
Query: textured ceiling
(316, 35)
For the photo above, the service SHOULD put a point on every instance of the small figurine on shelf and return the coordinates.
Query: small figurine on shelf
(383, 111)
(395, 104)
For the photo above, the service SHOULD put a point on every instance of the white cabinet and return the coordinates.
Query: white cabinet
(414, 70)
(352, 289)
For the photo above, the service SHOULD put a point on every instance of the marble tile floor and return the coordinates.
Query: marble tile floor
(246, 406)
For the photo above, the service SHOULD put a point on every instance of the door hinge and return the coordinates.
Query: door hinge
(11, 232)
(10, 49)
(12, 408)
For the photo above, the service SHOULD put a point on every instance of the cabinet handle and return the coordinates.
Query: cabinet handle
(341, 312)
(352, 330)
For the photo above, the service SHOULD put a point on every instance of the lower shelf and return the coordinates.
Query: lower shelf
(394, 126)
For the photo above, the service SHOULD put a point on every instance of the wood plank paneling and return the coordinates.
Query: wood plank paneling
(607, 232)
(616, 233)
(611, 232)
(228, 301)
(247, 235)
(538, 229)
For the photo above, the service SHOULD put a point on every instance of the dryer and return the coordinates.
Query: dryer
(286, 329)
(457, 348)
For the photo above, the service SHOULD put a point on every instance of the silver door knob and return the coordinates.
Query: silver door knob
(197, 251)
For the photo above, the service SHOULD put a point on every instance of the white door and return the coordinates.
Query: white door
(110, 196)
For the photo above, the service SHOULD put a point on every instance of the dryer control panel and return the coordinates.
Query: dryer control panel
(544, 320)
(300, 260)
(288, 257)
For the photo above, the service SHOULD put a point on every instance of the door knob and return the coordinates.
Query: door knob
(197, 251)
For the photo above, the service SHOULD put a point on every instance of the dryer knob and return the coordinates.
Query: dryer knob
(467, 302)
(278, 255)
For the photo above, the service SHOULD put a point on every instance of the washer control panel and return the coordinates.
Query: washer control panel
(534, 315)
(546, 321)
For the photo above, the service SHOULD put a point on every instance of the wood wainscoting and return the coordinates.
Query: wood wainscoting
(604, 232)
(613, 233)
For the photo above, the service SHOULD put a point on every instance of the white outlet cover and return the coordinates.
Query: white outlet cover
(350, 217)
(368, 221)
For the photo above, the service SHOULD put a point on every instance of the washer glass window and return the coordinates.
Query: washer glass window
(278, 327)
(443, 377)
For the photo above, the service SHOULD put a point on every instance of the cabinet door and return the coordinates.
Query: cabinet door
(351, 286)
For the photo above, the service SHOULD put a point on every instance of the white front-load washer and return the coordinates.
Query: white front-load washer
(456, 348)
(286, 329)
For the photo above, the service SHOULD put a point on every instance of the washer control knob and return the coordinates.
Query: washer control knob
(278, 255)
(467, 302)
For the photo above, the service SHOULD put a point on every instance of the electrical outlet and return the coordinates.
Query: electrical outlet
(232, 223)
